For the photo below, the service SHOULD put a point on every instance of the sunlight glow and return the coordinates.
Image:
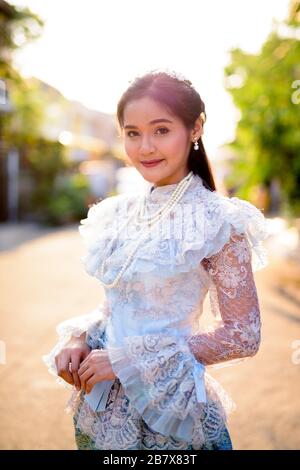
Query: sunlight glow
(89, 51)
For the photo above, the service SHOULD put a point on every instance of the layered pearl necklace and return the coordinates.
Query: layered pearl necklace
(166, 209)
(151, 221)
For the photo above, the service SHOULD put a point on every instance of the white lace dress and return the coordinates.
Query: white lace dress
(163, 396)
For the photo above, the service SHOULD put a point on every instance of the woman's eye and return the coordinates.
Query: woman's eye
(129, 132)
(163, 129)
(159, 129)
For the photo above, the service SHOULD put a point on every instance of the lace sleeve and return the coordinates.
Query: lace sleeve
(158, 371)
(234, 295)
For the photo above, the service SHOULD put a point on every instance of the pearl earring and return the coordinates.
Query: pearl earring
(196, 145)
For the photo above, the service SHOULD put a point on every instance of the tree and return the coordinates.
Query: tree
(52, 193)
(264, 89)
(18, 26)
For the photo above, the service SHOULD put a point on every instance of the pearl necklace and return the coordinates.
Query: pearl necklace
(151, 221)
(175, 197)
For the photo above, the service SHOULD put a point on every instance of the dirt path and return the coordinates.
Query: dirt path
(43, 282)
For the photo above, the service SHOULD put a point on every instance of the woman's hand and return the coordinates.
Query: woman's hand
(95, 368)
(68, 360)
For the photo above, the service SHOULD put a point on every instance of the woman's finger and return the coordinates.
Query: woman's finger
(74, 370)
(91, 354)
(90, 383)
(86, 376)
(83, 368)
(84, 362)
(63, 370)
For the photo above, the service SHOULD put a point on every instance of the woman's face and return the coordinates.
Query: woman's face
(167, 140)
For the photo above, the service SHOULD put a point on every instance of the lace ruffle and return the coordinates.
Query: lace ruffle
(98, 228)
(157, 372)
(219, 217)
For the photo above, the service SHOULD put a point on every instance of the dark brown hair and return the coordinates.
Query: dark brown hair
(181, 99)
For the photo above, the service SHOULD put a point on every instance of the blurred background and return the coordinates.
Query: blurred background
(63, 68)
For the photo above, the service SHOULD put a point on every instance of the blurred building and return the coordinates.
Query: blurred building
(90, 138)
(90, 142)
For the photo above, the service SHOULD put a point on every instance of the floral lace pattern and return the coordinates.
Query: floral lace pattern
(237, 302)
(120, 426)
(157, 373)
(151, 323)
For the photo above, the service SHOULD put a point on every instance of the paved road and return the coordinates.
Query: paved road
(43, 282)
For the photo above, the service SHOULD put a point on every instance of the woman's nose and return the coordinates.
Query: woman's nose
(146, 145)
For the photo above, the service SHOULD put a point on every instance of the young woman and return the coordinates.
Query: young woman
(137, 363)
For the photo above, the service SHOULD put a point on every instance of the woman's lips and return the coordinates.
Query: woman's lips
(151, 163)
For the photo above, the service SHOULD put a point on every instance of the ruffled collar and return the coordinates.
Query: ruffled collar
(162, 193)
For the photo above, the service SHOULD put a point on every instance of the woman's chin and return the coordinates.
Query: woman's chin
(152, 175)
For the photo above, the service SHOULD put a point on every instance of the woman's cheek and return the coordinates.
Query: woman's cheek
(130, 149)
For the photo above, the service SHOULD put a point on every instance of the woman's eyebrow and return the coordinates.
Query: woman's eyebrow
(154, 121)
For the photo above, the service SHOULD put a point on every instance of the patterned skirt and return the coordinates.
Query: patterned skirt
(120, 427)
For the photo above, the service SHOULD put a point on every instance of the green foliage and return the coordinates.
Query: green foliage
(56, 197)
(67, 201)
(263, 86)
(18, 26)
(22, 125)
(46, 160)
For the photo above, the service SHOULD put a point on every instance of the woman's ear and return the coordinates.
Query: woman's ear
(198, 129)
(202, 130)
